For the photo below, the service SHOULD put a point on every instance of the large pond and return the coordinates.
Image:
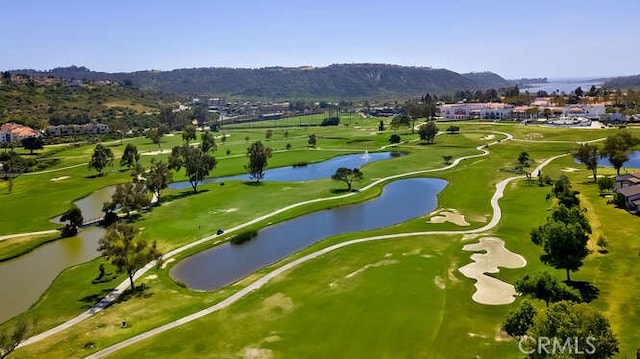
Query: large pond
(28, 276)
(24, 279)
(634, 161)
(400, 201)
(309, 172)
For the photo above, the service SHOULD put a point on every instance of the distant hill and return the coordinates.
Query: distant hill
(624, 82)
(488, 79)
(349, 81)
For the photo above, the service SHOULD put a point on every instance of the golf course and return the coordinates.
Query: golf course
(418, 257)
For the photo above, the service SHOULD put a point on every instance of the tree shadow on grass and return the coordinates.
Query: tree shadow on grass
(141, 291)
(92, 299)
(97, 175)
(253, 183)
(588, 291)
(342, 190)
(172, 197)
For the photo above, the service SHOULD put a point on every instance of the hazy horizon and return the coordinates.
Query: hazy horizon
(570, 39)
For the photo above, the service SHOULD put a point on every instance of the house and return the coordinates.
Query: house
(628, 186)
(13, 132)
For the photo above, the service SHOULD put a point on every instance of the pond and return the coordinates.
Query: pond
(309, 172)
(634, 161)
(216, 267)
(25, 278)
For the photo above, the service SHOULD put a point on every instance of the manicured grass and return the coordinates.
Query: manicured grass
(390, 309)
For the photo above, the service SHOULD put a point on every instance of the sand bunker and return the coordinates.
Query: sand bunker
(569, 169)
(256, 353)
(150, 277)
(155, 153)
(164, 264)
(385, 262)
(59, 178)
(490, 290)
(439, 282)
(489, 137)
(448, 215)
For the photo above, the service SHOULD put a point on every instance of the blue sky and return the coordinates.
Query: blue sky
(561, 38)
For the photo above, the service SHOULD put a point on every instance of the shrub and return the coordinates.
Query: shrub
(330, 121)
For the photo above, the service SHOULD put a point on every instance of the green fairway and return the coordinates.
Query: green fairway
(397, 297)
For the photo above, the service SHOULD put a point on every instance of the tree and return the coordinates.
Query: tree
(519, 320)
(588, 155)
(130, 156)
(428, 132)
(101, 158)
(285, 134)
(128, 197)
(74, 216)
(128, 255)
(563, 192)
(9, 342)
(578, 91)
(268, 134)
(606, 184)
(381, 126)
(447, 159)
(196, 163)
(394, 139)
(579, 323)
(312, 141)
(617, 147)
(32, 143)
(158, 178)
(155, 134)
(258, 156)
(563, 239)
(400, 120)
(347, 175)
(188, 133)
(208, 142)
(523, 161)
(542, 285)
(11, 167)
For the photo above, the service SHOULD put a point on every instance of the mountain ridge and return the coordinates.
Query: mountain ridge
(339, 81)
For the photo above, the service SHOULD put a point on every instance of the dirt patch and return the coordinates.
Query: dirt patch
(449, 215)
(278, 301)
(490, 290)
(59, 178)
(384, 262)
(439, 282)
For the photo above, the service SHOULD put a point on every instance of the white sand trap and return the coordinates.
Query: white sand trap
(219, 137)
(597, 176)
(439, 282)
(385, 262)
(490, 290)
(155, 153)
(169, 134)
(569, 169)
(59, 178)
(256, 353)
(489, 137)
(153, 276)
(164, 264)
(449, 215)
